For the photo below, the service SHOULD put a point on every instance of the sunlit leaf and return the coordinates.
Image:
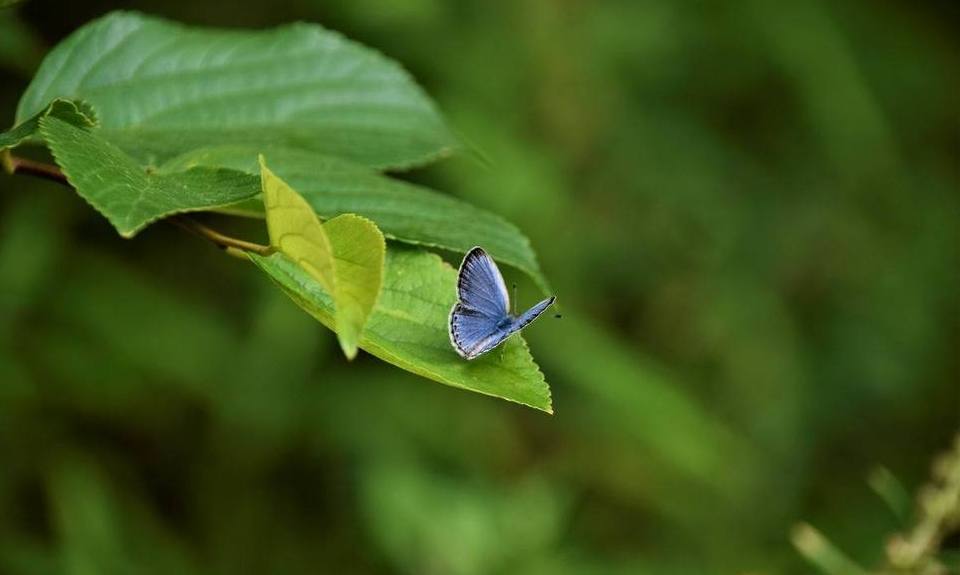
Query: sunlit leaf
(129, 196)
(408, 327)
(359, 251)
(163, 89)
(295, 230)
(345, 255)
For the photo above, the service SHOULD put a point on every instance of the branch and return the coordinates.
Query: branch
(16, 165)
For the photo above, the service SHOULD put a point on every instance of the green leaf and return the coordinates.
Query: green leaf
(345, 255)
(359, 251)
(408, 327)
(78, 113)
(403, 211)
(163, 89)
(129, 196)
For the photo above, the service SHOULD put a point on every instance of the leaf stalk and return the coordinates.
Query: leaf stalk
(226, 242)
(16, 165)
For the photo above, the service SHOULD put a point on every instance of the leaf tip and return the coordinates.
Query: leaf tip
(547, 407)
(350, 349)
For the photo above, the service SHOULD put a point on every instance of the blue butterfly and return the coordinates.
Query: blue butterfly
(481, 320)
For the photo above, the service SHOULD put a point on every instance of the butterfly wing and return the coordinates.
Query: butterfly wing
(473, 333)
(531, 314)
(480, 286)
(480, 320)
(482, 309)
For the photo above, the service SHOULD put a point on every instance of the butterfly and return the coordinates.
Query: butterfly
(481, 319)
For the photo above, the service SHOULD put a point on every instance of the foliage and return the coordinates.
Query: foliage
(129, 196)
(78, 113)
(409, 327)
(749, 210)
(151, 100)
(405, 212)
(163, 89)
(345, 255)
(917, 551)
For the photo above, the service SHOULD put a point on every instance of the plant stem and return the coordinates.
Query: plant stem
(225, 242)
(16, 165)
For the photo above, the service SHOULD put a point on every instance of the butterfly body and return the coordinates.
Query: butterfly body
(481, 318)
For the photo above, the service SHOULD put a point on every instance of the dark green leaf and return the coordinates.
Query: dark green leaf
(129, 196)
(75, 112)
(163, 89)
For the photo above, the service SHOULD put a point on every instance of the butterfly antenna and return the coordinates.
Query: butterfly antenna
(513, 304)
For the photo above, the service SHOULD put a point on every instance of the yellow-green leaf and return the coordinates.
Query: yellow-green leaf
(295, 230)
(345, 255)
(358, 252)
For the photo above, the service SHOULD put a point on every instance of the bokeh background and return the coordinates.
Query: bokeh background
(748, 209)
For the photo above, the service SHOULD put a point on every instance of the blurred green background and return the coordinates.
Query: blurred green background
(749, 211)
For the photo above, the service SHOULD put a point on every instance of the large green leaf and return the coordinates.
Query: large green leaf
(403, 211)
(408, 327)
(163, 88)
(129, 196)
(345, 255)
(78, 113)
